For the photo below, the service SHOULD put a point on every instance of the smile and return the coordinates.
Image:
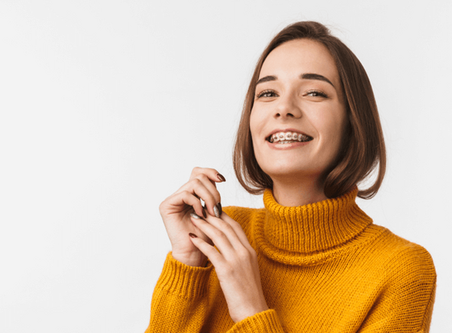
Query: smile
(288, 137)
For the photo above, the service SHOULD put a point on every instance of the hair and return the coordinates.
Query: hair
(363, 147)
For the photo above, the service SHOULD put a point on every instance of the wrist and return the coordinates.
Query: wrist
(249, 312)
(193, 260)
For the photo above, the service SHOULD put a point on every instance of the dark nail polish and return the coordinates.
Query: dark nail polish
(192, 235)
(217, 209)
(221, 177)
(220, 208)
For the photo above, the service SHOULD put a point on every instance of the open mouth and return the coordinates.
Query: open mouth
(288, 137)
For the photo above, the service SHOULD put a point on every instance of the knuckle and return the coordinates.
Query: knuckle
(243, 253)
(203, 176)
(184, 193)
(218, 234)
(163, 204)
(196, 182)
(228, 269)
(225, 226)
(247, 254)
(195, 171)
(162, 207)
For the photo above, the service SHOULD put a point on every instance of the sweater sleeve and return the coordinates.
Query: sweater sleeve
(179, 301)
(406, 303)
(266, 321)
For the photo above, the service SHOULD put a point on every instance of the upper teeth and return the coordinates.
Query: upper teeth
(288, 136)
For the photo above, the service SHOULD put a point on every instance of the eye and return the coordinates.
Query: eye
(316, 93)
(266, 93)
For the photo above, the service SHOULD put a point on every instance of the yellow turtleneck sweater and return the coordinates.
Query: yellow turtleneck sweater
(324, 268)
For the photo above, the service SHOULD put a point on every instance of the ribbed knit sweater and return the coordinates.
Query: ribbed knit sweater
(325, 267)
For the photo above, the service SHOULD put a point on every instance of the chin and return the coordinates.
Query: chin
(293, 169)
(290, 172)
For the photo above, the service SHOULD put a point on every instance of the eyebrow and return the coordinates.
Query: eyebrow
(306, 76)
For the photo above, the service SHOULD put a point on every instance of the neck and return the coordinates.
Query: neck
(311, 228)
(293, 193)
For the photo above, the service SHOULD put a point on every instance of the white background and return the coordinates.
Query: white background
(107, 105)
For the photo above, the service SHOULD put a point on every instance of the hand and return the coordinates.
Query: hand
(235, 264)
(175, 211)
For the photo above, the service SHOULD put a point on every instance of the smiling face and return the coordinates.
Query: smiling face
(299, 116)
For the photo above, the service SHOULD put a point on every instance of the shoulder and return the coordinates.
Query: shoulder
(406, 260)
(407, 283)
(405, 251)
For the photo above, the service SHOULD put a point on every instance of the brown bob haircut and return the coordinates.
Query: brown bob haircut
(363, 147)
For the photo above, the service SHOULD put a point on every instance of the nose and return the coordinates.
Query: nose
(288, 107)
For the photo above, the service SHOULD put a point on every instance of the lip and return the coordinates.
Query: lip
(286, 146)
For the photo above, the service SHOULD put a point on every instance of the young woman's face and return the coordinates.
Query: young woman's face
(299, 115)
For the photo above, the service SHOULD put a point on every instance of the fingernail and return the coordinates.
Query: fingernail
(195, 216)
(217, 210)
(221, 177)
(192, 235)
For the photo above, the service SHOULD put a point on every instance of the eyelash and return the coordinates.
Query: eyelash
(316, 92)
(264, 92)
(319, 93)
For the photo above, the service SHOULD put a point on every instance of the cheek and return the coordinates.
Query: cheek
(256, 125)
(257, 128)
(331, 127)
(336, 139)
(252, 124)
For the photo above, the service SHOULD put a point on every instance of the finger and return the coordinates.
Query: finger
(208, 250)
(212, 174)
(222, 239)
(203, 188)
(226, 228)
(184, 198)
(237, 229)
(202, 235)
(213, 207)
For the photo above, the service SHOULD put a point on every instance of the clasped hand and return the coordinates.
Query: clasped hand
(195, 231)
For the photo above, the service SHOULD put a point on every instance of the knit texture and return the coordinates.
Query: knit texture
(325, 267)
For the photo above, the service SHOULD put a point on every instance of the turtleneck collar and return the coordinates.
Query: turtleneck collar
(315, 227)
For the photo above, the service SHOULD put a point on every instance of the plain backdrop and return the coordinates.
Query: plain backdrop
(106, 106)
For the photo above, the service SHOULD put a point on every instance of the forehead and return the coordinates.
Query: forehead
(298, 57)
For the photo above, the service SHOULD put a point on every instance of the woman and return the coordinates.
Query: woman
(311, 260)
